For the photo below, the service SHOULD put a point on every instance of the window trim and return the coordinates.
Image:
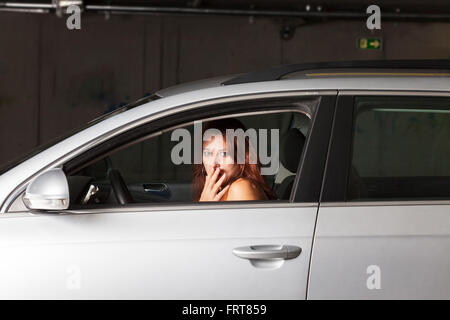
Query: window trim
(334, 192)
(385, 203)
(142, 207)
(191, 107)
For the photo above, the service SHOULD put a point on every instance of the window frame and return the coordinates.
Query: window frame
(309, 171)
(339, 158)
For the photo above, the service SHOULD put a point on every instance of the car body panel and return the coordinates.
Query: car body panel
(382, 247)
(407, 243)
(157, 254)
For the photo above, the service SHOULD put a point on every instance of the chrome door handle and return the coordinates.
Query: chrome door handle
(267, 252)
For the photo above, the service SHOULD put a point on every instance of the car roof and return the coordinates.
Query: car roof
(380, 71)
(194, 85)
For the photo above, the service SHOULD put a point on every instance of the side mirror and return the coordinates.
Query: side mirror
(48, 191)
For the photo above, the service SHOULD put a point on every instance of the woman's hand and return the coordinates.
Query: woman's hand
(211, 187)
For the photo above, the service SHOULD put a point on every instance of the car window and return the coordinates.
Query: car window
(162, 167)
(401, 149)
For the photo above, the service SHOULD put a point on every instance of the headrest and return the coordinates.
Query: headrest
(291, 149)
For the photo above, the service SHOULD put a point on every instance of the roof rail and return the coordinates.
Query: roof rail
(278, 72)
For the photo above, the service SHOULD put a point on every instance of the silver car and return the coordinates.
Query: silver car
(361, 172)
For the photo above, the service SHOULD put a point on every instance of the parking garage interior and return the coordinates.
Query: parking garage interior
(53, 79)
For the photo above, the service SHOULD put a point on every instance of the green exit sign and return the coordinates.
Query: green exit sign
(369, 43)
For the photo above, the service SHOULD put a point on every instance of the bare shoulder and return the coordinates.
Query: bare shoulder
(241, 183)
(243, 189)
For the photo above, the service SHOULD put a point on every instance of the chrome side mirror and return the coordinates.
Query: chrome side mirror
(48, 191)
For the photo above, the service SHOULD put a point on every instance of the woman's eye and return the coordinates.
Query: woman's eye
(223, 154)
(206, 153)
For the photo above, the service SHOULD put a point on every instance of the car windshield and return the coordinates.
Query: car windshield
(12, 163)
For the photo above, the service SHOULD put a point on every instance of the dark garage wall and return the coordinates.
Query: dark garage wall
(53, 79)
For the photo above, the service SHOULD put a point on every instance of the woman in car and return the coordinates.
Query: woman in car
(221, 177)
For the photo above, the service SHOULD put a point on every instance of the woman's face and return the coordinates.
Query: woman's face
(215, 154)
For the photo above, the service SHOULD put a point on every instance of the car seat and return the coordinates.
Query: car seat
(292, 143)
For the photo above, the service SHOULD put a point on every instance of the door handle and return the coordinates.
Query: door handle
(159, 189)
(268, 252)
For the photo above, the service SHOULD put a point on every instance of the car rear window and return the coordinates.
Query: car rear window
(401, 149)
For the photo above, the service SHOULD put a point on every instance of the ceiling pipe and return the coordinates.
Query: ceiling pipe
(25, 7)
(17, 5)
(235, 12)
(268, 13)
(24, 10)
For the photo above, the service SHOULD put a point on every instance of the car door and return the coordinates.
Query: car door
(236, 250)
(383, 228)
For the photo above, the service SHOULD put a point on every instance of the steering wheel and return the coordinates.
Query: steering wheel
(119, 187)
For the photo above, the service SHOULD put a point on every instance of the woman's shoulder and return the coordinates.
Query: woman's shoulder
(242, 183)
(243, 188)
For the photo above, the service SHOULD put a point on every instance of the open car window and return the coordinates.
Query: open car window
(159, 168)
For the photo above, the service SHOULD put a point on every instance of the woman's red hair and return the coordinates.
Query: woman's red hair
(249, 171)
